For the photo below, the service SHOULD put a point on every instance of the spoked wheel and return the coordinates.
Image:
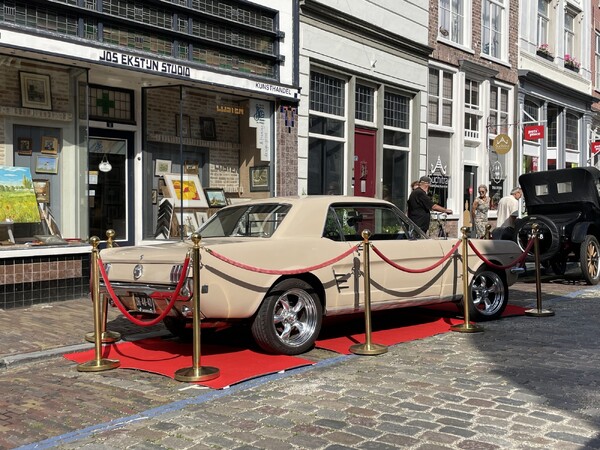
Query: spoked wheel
(489, 295)
(589, 257)
(289, 319)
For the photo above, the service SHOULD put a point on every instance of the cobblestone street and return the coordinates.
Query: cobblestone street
(524, 382)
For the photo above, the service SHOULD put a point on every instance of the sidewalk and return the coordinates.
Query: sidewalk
(49, 329)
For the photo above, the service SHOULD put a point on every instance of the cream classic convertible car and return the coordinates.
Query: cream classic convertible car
(245, 246)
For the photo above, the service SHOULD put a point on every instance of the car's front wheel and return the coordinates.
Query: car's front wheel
(489, 295)
(289, 319)
(589, 257)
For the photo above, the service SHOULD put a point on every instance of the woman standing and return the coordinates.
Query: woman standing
(481, 206)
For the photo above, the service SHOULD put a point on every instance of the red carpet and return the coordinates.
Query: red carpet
(165, 357)
(396, 326)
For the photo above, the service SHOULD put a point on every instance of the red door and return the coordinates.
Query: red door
(364, 162)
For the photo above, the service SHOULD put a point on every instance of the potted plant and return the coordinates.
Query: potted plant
(544, 51)
(571, 63)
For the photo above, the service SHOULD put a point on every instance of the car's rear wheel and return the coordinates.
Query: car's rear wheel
(289, 319)
(489, 295)
(589, 257)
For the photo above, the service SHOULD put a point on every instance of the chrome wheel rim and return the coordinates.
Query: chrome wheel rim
(295, 317)
(592, 258)
(487, 291)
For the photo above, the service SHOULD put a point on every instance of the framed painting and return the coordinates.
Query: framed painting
(186, 190)
(49, 145)
(215, 197)
(24, 146)
(201, 217)
(46, 164)
(208, 129)
(191, 167)
(42, 190)
(259, 178)
(184, 126)
(163, 167)
(35, 91)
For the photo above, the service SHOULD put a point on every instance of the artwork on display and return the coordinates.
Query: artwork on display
(163, 167)
(42, 190)
(35, 91)
(46, 164)
(18, 202)
(189, 222)
(191, 167)
(186, 190)
(259, 178)
(154, 196)
(49, 145)
(201, 217)
(185, 126)
(208, 129)
(215, 197)
(24, 146)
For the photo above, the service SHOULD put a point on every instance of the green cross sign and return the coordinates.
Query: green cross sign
(105, 103)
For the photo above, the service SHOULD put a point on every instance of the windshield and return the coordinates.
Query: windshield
(245, 220)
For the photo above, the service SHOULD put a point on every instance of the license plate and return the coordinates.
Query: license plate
(144, 304)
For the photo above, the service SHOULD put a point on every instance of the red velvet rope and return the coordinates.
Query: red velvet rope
(281, 272)
(145, 323)
(426, 269)
(495, 266)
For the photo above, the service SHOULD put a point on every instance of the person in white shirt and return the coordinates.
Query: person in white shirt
(507, 206)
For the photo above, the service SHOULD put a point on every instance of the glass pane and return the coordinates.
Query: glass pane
(364, 103)
(396, 138)
(395, 177)
(325, 126)
(326, 94)
(324, 166)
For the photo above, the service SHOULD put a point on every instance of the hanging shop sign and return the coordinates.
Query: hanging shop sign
(502, 144)
(533, 132)
(595, 147)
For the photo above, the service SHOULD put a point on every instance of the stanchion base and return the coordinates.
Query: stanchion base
(98, 365)
(466, 327)
(108, 337)
(368, 349)
(539, 312)
(203, 373)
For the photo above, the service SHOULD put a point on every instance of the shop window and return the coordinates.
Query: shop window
(327, 134)
(572, 132)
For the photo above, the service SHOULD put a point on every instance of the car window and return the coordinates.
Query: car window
(564, 187)
(346, 223)
(246, 220)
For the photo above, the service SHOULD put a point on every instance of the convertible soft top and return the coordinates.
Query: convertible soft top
(573, 189)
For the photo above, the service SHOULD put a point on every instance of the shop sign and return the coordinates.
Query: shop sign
(502, 144)
(534, 132)
(260, 118)
(139, 62)
(265, 87)
(230, 110)
(595, 147)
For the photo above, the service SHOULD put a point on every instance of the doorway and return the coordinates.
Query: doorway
(364, 162)
(110, 192)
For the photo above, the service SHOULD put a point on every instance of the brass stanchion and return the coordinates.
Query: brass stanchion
(196, 372)
(368, 348)
(108, 337)
(466, 326)
(98, 364)
(539, 312)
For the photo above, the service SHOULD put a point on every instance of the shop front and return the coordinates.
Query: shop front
(148, 147)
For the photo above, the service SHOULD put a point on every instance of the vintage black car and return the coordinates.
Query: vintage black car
(565, 203)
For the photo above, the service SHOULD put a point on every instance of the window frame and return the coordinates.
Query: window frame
(441, 99)
(500, 9)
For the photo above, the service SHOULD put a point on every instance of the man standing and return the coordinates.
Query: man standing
(507, 206)
(420, 205)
